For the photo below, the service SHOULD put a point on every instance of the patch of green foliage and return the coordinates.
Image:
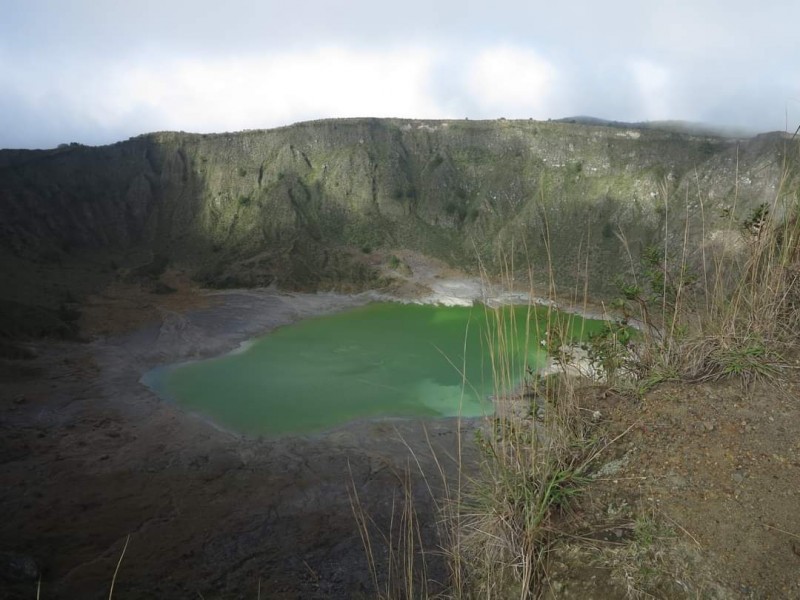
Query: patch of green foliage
(755, 221)
(609, 350)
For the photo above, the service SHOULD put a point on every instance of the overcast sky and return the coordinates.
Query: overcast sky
(98, 71)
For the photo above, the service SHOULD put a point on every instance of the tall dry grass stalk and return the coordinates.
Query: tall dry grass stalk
(721, 303)
(751, 323)
(403, 572)
(499, 518)
(536, 451)
(726, 304)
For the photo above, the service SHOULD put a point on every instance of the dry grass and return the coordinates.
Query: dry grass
(515, 511)
(499, 519)
(404, 576)
(724, 305)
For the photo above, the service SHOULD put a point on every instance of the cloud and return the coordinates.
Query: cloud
(96, 72)
(653, 84)
(238, 92)
(512, 82)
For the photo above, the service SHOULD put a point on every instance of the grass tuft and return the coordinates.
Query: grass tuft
(724, 304)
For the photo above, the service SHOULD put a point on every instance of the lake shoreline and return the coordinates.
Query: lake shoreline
(91, 455)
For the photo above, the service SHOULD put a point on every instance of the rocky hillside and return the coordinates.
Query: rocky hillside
(302, 206)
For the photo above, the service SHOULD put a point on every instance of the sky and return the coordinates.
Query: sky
(99, 71)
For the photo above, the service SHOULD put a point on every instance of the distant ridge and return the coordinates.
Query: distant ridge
(326, 204)
(686, 127)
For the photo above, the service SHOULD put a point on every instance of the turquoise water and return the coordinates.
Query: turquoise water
(384, 360)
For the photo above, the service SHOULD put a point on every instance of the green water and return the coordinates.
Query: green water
(380, 360)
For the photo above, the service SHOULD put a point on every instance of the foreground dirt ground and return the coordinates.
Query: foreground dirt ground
(698, 497)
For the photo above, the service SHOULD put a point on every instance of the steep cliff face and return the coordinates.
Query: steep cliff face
(298, 205)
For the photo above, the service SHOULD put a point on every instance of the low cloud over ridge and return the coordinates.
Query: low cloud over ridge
(91, 74)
